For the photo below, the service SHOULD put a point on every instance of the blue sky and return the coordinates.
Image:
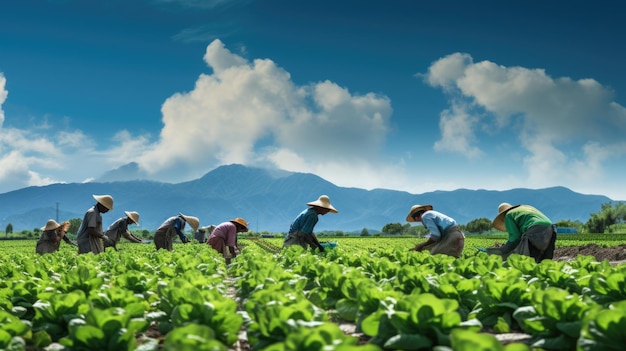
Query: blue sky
(408, 95)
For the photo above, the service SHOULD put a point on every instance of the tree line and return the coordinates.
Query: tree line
(611, 219)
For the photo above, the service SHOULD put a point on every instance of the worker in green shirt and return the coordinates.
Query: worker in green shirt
(531, 233)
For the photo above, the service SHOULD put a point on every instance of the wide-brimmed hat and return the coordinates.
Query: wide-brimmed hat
(323, 202)
(417, 208)
(52, 225)
(241, 222)
(503, 208)
(194, 222)
(104, 200)
(134, 216)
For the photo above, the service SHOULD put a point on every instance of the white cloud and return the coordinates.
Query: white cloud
(560, 123)
(251, 112)
(3, 96)
(457, 134)
(230, 115)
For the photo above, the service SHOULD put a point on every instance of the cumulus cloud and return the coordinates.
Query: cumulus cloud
(560, 122)
(3, 96)
(42, 155)
(455, 124)
(249, 111)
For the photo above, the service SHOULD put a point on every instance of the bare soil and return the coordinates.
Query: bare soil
(614, 254)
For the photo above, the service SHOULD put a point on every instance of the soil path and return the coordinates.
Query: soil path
(614, 254)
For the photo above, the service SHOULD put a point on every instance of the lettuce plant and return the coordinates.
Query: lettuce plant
(414, 322)
(323, 337)
(104, 330)
(603, 328)
(553, 319)
(54, 314)
(12, 332)
(273, 315)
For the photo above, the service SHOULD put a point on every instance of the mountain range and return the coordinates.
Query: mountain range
(270, 199)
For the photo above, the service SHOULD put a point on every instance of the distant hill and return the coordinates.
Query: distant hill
(270, 199)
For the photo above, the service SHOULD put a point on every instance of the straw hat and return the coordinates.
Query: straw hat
(498, 222)
(53, 225)
(417, 208)
(104, 200)
(323, 202)
(194, 222)
(241, 222)
(134, 216)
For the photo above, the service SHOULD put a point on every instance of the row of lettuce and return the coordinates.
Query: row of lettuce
(139, 299)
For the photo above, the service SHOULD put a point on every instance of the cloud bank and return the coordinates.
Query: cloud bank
(252, 113)
(567, 130)
(540, 131)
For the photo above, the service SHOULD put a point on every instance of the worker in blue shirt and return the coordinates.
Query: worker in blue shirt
(444, 235)
(301, 229)
(173, 226)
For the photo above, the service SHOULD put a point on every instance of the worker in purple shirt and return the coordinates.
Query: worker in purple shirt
(223, 239)
(444, 235)
(301, 229)
(172, 227)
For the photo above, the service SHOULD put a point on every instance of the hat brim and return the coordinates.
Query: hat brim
(239, 223)
(128, 214)
(321, 205)
(498, 222)
(409, 217)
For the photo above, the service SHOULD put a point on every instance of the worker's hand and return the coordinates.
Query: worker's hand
(496, 245)
(321, 248)
(418, 247)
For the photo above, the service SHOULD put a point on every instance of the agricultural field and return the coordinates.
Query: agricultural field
(363, 294)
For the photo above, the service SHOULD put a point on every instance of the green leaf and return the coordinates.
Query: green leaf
(464, 340)
(192, 337)
(408, 342)
(347, 309)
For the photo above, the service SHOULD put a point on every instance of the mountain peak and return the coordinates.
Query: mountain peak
(127, 172)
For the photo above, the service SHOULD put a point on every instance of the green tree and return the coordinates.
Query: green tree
(365, 232)
(8, 230)
(74, 225)
(392, 228)
(479, 225)
(605, 220)
(416, 230)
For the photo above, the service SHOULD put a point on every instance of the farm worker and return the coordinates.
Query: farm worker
(200, 234)
(531, 233)
(119, 228)
(301, 229)
(90, 236)
(224, 237)
(444, 235)
(51, 237)
(166, 233)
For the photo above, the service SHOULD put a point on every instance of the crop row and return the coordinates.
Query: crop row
(293, 300)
